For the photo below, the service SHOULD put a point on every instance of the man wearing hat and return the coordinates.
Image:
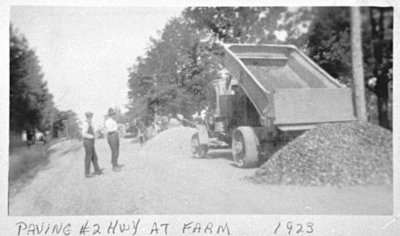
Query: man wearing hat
(113, 138)
(88, 143)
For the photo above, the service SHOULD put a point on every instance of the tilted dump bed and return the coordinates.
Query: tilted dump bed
(288, 87)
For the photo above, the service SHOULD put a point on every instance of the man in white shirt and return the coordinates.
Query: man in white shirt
(113, 138)
(88, 143)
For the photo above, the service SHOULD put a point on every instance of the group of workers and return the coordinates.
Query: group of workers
(112, 133)
(89, 143)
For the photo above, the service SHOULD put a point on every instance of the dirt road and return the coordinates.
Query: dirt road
(160, 179)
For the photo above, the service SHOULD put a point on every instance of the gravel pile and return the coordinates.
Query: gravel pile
(170, 142)
(332, 154)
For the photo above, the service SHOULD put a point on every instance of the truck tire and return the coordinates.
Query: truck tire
(198, 150)
(244, 147)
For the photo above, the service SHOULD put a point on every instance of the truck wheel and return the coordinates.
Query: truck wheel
(198, 150)
(244, 147)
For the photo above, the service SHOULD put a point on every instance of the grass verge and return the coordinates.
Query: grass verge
(25, 162)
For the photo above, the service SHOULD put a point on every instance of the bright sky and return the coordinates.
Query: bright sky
(85, 51)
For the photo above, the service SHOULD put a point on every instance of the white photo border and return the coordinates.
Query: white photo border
(239, 224)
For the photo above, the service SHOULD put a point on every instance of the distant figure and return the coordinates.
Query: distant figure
(150, 132)
(88, 143)
(47, 136)
(157, 128)
(30, 137)
(164, 123)
(113, 139)
(141, 131)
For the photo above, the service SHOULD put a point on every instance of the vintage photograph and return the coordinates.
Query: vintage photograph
(200, 110)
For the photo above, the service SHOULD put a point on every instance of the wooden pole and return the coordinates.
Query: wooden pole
(357, 61)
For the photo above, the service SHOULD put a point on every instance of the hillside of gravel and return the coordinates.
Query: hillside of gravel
(339, 154)
(170, 142)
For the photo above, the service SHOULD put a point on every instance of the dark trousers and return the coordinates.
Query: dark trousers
(90, 155)
(113, 141)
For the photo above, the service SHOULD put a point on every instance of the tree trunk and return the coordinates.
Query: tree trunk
(383, 100)
(357, 61)
(380, 71)
(383, 113)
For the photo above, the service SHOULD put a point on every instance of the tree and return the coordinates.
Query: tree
(66, 124)
(329, 41)
(329, 46)
(172, 75)
(254, 25)
(30, 101)
(381, 60)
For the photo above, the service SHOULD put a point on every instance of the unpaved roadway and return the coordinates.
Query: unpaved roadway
(161, 178)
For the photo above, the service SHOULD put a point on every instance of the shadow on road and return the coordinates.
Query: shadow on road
(226, 154)
(215, 154)
(220, 153)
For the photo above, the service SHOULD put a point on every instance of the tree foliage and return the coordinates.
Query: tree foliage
(238, 24)
(172, 75)
(329, 41)
(66, 124)
(30, 100)
(252, 25)
(31, 103)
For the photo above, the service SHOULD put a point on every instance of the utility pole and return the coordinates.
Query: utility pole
(357, 61)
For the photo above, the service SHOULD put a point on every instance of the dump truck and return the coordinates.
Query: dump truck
(271, 95)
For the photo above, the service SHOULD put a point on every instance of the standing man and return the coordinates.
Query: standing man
(88, 143)
(141, 131)
(113, 139)
(30, 136)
